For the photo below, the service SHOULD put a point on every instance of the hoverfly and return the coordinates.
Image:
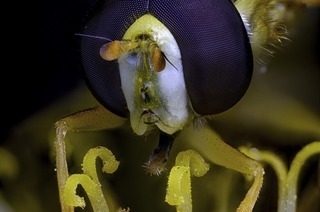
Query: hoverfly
(168, 67)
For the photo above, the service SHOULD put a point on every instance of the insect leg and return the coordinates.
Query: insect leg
(96, 118)
(209, 145)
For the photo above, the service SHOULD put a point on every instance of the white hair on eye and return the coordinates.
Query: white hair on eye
(246, 25)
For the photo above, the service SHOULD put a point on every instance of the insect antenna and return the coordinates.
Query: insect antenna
(165, 57)
(93, 36)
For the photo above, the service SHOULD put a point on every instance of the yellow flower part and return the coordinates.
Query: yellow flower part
(179, 185)
(92, 189)
(110, 164)
(288, 179)
(89, 180)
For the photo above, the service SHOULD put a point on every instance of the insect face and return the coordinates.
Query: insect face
(154, 89)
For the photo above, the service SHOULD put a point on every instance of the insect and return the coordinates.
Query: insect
(168, 67)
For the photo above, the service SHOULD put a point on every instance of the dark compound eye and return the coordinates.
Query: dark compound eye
(110, 19)
(216, 53)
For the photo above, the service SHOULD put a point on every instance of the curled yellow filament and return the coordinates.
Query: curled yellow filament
(110, 164)
(179, 184)
(92, 189)
(89, 180)
(288, 179)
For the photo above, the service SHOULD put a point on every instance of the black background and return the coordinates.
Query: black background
(40, 55)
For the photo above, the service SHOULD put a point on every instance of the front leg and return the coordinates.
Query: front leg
(208, 144)
(96, 118)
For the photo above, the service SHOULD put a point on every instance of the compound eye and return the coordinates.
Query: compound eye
(215, 51)
(110, 19)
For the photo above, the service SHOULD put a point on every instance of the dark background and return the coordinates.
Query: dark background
(40, 55)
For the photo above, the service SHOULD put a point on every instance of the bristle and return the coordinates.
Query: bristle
(93, 36)
(267, 23)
